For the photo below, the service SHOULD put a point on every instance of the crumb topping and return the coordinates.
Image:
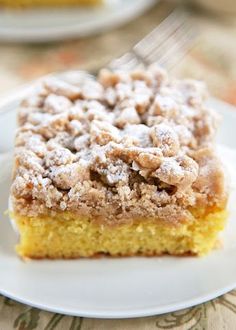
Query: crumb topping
(125, 145)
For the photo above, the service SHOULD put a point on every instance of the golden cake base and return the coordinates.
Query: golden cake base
(66, 235)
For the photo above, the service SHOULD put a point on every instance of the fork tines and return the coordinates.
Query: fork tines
(166, 44)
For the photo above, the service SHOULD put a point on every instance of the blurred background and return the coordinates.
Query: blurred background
(38, 40)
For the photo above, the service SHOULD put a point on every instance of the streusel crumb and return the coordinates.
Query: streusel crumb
(126, 145)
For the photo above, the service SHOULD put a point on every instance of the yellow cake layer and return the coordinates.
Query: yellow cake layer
(67, 236)
(19, 3)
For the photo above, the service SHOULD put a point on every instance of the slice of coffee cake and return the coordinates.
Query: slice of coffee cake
(123, 165)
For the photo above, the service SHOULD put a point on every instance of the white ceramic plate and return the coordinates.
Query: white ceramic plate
(36, 25)
(115, 288)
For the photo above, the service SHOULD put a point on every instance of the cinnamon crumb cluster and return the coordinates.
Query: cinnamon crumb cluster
(123, 146)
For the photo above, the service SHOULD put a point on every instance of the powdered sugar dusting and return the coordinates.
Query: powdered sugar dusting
(124, 145)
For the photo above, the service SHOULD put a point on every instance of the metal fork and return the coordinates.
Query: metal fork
(165, 45)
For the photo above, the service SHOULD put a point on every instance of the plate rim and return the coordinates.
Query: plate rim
(151, 311)
(9, 34)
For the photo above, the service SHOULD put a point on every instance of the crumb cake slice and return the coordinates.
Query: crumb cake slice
(123, 165)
